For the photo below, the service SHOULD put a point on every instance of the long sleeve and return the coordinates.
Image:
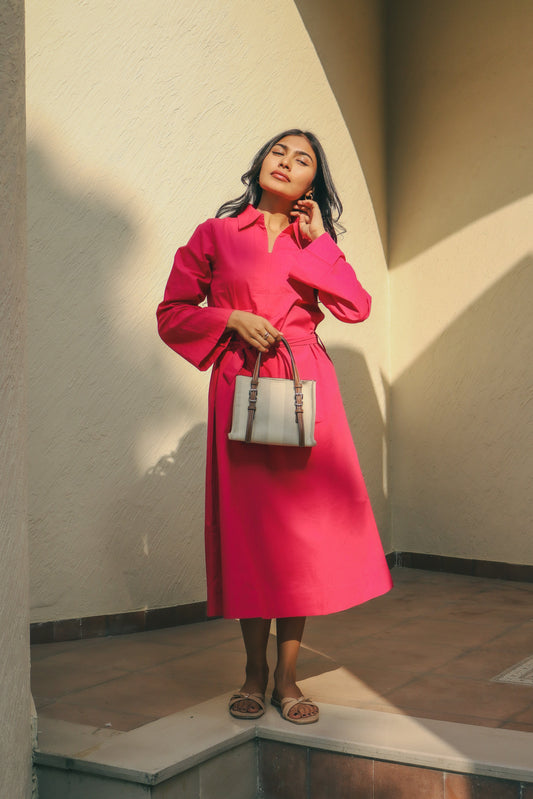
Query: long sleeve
(196, 333)
(323, 266)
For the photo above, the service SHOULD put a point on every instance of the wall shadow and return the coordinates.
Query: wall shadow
(143, 524)
(89, 396)
(459, 116)
(367, 427)
(348, 38)
(463, 457)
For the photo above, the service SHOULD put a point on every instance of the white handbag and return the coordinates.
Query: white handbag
(274, 410)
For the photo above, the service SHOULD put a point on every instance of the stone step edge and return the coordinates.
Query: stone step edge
(155, 752)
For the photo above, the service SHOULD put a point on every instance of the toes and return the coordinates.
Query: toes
(247, 706)
(302, 711)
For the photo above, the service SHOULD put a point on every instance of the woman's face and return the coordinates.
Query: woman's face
(289, 169)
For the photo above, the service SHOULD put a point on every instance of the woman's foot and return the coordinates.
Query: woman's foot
(255, 684)
(294, 710)
(299, 712)
(254, 704)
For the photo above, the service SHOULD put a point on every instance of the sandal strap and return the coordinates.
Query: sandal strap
(289, 702)
(259, 699)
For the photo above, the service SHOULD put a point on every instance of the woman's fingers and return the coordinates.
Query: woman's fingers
(303, 211)
(305, 206)
(263, 337)
(253, 329)
(309, 218)
(273, 334)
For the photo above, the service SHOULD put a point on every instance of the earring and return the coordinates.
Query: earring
(309, 194)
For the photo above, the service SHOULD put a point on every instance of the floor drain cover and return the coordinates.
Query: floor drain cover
(521, 674)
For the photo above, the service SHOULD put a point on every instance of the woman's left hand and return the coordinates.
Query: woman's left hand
(309, 218)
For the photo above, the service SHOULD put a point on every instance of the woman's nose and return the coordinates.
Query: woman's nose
(284, 162)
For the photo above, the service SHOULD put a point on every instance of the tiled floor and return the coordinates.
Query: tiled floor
(429, 648)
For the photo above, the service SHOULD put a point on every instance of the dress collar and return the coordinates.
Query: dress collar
(251, 215)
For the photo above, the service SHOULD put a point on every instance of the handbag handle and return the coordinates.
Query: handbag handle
(298, 397)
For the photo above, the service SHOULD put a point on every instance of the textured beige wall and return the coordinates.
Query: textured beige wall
(461, 175)
(141, 119)
(15, 700)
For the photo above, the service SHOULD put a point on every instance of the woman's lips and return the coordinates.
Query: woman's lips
(280, 176)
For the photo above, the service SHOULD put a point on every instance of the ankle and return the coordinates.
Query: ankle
(256, 676)
(284, 676)
(285, 685)
(256, 669)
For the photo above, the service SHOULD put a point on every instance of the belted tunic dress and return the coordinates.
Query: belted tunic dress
(289, 531)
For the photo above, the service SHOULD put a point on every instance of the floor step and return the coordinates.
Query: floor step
(202, 753)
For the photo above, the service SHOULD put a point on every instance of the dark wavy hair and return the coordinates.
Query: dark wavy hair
(324, 191)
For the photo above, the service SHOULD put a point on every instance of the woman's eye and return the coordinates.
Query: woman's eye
(277, 152)
(301, 161)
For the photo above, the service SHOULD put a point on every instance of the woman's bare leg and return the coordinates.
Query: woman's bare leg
(289, 636)
(255, 634)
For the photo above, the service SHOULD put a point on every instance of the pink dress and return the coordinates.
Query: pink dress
(288, 531)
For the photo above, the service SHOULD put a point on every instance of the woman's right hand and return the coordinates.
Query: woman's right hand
(255, 330)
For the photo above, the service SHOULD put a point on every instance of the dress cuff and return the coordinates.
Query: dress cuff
(314, 263)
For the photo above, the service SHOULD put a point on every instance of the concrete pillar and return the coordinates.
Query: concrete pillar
(15, 698)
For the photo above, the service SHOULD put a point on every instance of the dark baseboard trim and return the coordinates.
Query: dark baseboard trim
(139, 621)
(136, 621)
(391, 559)
(475, 568)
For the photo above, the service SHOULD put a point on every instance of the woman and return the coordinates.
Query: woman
(289, 531)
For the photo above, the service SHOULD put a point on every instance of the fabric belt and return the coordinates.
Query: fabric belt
(244, 355)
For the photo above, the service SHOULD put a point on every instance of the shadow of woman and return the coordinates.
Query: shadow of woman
(159, 572)
(96, 384)
(367, 425)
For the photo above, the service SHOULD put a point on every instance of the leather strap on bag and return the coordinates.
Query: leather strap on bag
(298, 397)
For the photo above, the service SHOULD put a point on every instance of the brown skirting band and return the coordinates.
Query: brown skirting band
(137, 621)
(153, 619)
(475, 568)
